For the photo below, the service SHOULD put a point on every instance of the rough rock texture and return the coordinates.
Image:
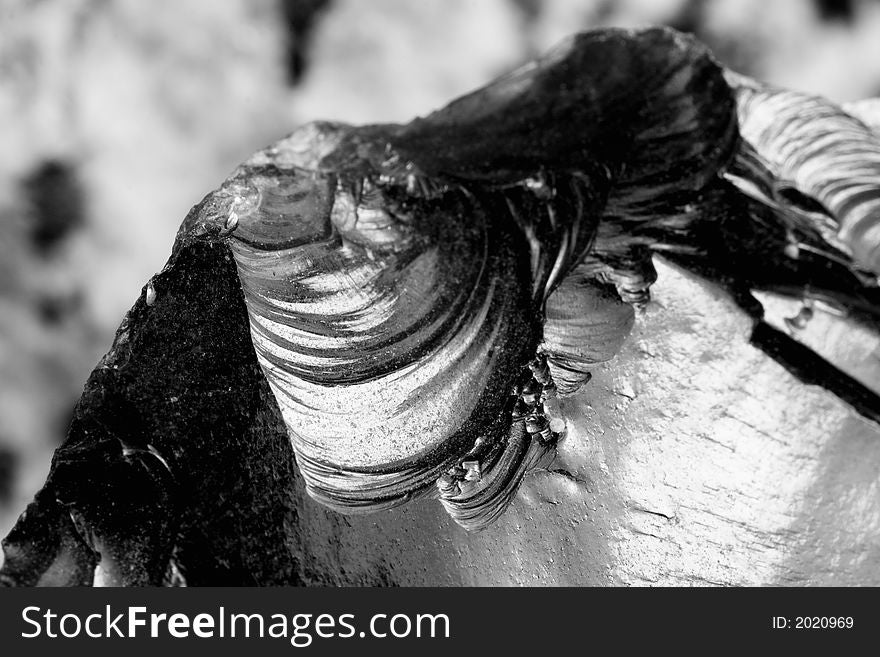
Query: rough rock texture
(110, 129)
(693, 459)
(181, 378)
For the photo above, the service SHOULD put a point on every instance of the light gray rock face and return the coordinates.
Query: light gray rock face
(691, 459)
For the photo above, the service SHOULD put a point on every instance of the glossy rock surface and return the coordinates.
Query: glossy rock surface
(370, 304)
(388, 336)
(692, 459)
(395, 275)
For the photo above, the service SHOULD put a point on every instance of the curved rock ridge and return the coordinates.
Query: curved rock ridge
(400, 279)
(397, 309)
(826, 152)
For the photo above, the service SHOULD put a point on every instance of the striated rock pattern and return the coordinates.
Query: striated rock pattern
(399, 307)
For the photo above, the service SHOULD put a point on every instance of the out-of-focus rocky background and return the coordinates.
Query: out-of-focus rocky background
(116, 116)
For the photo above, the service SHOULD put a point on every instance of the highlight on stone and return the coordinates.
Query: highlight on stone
(421, 298)
(418, 293)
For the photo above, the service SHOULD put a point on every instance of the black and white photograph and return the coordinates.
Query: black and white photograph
(440, 293)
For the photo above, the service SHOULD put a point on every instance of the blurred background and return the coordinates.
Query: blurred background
(116, 116)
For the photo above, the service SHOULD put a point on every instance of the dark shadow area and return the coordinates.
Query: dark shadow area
(836, 10)
(8, 466)
(56, 204)
(299, 18)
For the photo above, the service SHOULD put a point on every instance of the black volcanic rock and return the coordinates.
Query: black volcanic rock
(178, 468)
(175, 442)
